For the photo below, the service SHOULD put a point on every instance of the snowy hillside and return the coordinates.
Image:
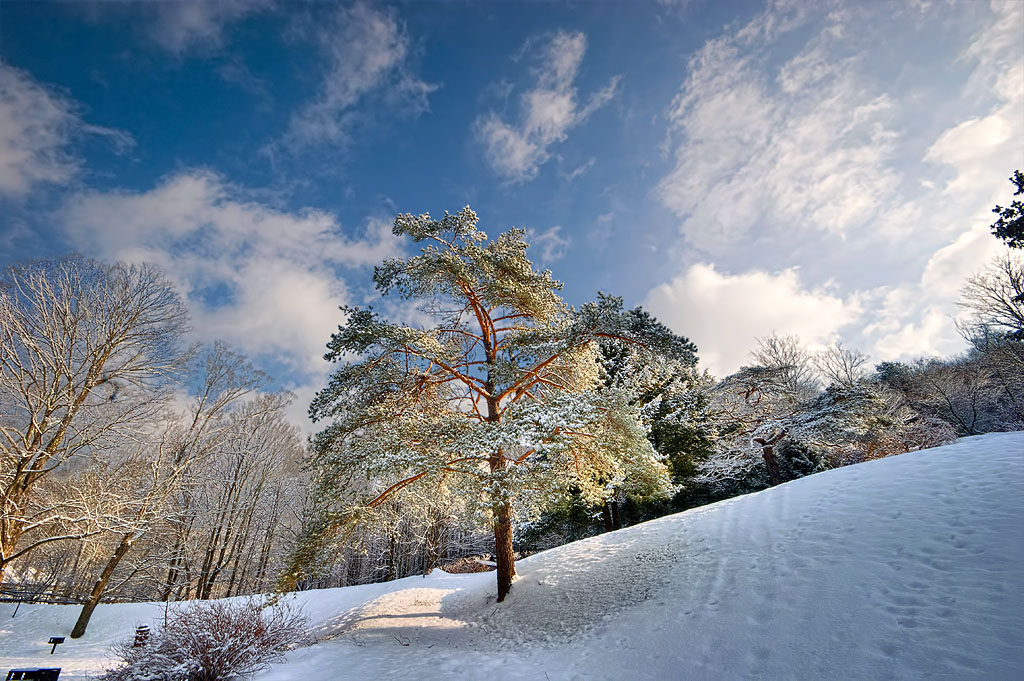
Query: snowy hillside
(908, 567)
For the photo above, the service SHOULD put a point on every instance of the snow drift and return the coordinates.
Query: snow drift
(907, 567)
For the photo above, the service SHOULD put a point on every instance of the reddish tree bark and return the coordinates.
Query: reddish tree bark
(768, 454)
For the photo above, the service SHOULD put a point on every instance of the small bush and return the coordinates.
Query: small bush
(211, 641)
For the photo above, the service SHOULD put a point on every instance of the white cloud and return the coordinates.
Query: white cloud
(267, 281)
(918, 319)
(553, 246)
(186, 25)
(806, 146)
(926, 336)
(37, 126)
(580, 170)
(725, 314)
(774, 133)
(236, 72)
(298, 411)
(950, 266)
(548, 111)
(367, 52)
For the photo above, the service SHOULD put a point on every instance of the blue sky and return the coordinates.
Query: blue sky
(824, 169)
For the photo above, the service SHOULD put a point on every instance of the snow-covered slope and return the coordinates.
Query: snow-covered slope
(908, 567)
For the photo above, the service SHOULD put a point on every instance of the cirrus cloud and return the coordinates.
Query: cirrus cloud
(367, 52)
(548, 111)
(187, 25)
(552, 243)
(807, 144)
(37, 126)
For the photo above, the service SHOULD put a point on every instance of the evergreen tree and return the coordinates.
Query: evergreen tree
(673, 398)
(495, 404)
(1010, 225)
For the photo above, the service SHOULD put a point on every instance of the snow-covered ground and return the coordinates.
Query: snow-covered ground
(910, 567)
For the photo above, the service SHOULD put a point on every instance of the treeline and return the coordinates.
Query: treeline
(793, 412)
(133, 466)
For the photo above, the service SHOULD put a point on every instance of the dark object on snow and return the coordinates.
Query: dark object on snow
(56, 641)
(37, 674)
(469, 564)
(141, 636)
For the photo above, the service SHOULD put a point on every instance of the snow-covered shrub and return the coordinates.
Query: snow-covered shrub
(210, 641)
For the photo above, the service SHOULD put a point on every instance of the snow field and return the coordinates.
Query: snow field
(907, 568)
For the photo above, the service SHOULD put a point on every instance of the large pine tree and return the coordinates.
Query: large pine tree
(495, 401)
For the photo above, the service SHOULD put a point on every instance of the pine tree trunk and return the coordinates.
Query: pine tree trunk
(100, 586)
(503, 554)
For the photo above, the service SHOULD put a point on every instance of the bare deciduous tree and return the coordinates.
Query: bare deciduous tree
(841, 366)
(994, 298)
(242, 493)
(227, 377)
(86, 351)
(791, 359)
